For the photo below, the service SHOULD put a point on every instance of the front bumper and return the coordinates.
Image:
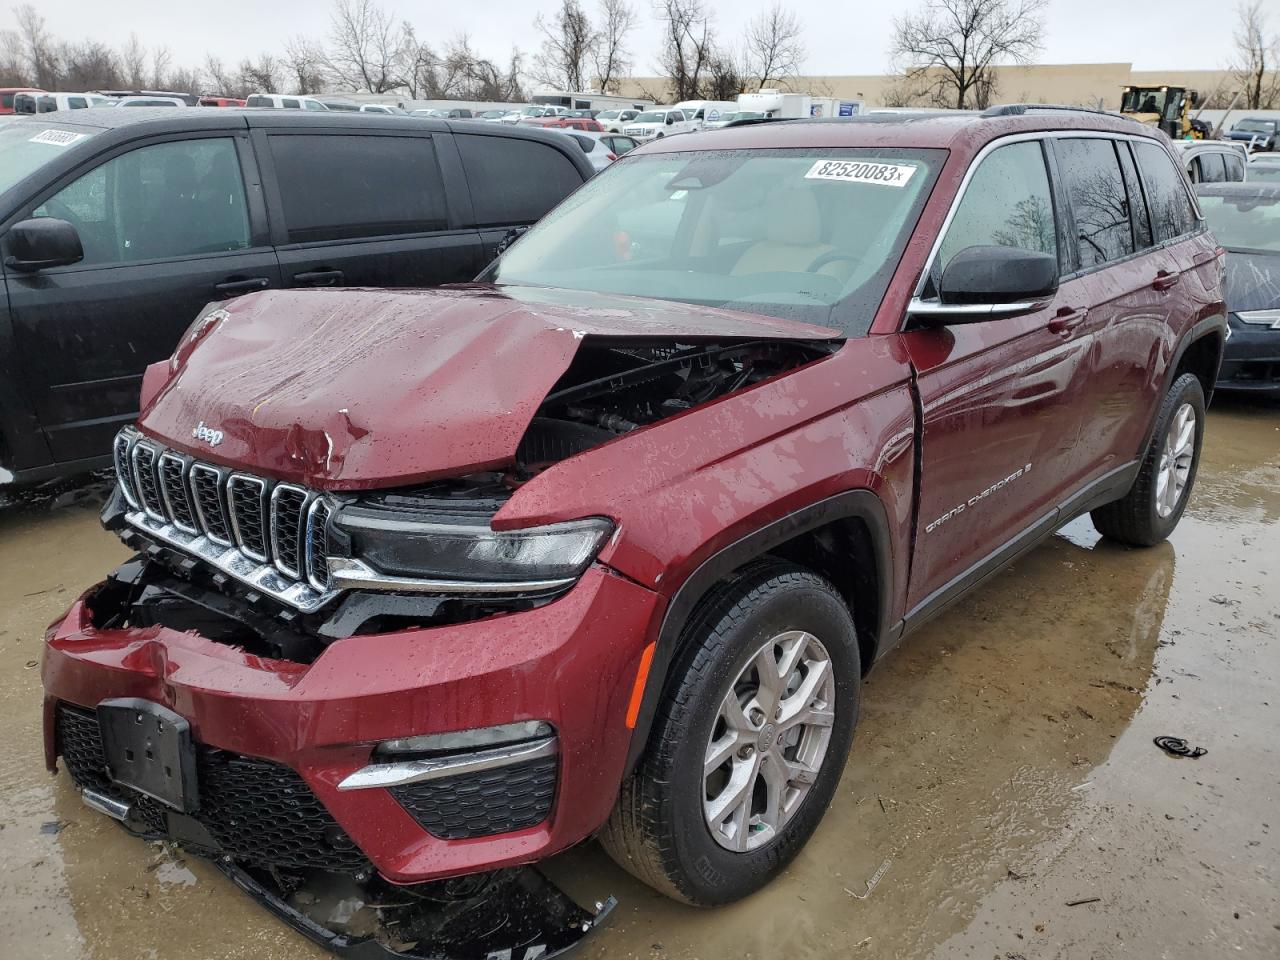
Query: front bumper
(259, 722)
(1251, 360)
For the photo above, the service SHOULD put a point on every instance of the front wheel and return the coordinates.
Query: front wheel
(750, 741)
(1151, 509)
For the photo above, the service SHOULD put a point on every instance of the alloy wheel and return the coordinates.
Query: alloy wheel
(1175, 460)
(768, 741)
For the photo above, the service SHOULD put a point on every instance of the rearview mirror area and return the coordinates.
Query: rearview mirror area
(984, 282)
(43, 242)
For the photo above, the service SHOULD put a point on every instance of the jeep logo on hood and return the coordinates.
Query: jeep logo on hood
(207, 434)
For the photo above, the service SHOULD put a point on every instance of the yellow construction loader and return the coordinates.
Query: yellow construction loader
(1167, 107)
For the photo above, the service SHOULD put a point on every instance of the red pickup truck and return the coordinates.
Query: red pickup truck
(432, 583)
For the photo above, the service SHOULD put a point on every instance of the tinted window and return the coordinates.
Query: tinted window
(1007, 204)
(1171, 212)
(1099, 201)
(1208, 168)
(77, 103)
(289, 103)
(169, 200)
(339, 187)
(258, 102)
(1235, 167)
(515, 181)
(6, 100)
(1137, 203)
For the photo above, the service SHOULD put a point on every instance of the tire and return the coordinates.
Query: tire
(1147, 514)
(658, 830)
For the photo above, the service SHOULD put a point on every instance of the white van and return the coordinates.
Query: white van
(659, 122)
(706, 111)
(282, 102)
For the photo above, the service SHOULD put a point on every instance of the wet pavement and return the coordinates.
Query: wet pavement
(1003, 799)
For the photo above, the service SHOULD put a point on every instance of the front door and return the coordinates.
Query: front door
(165, 230)
(999, 417)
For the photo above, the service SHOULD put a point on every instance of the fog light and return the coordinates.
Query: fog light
(479, 738)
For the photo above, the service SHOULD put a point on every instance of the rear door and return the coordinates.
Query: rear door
(999, 398)
(364, 206)
(168, 224)
(513, 182)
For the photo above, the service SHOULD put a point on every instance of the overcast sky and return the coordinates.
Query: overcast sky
(842, 37)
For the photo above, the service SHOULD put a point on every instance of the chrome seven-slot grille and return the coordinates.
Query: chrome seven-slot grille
(271, 536)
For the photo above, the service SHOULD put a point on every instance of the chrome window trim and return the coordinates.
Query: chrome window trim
(1039, 136)
(185, 463)
(298, 529)
(218, 484)
(400, 773)
(137, 476)
(261, 484)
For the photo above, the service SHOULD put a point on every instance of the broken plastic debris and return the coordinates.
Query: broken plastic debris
(1177, 747)
(871, 884)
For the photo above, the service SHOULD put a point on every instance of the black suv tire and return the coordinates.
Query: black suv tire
(1137, 518)
(658, 830)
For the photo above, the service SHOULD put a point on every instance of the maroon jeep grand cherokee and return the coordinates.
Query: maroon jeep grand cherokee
(430, 583)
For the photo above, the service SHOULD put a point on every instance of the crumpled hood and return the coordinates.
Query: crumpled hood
(354, 388)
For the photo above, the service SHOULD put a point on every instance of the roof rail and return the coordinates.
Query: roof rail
(1020, 109)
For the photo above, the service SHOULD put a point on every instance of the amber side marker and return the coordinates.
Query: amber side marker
(637, 692)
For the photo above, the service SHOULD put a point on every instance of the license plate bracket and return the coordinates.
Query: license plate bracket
(148, 748)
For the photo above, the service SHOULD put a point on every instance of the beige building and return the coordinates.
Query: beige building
(1089, 84)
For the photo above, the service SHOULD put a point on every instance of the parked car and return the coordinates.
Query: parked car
(586, 114)
(52, 102)
(605, 543)
(534, 110)
(1212, 161)
(220, 102)
(601, 148)
(492, 116)
(120, 225)
(383, 108)
(564, 123)
(7, 95)
(659, 123)
(1257, 133)
(614, 120)
(618, 144)
(279, 101)
(186, 99)
(147, 101)
(1245, 219)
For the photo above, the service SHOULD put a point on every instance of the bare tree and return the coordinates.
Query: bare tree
(262, 75)
(567, 41)
(723, 77)
(223, 82)
(774, 49)
(688, 45)
(89, 66)
(303, 63)
(161, 63)
(950, 47)
(133, 64)
(37, 45)
(611, 58)
(366, 46)
(1254, 68)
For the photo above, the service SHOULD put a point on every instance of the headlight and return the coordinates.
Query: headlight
(397, 550)
(1262, 318)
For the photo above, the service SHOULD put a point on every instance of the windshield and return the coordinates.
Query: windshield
(1244, 222)
(1255, 126)
(651, 116)
(1144, 101)
(811, 235)
(27, 146)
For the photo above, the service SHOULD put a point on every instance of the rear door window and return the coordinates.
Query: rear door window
(513, 180)
(1170, 207)
(338, 187)
(1210, 168)
(289, 103)
(1007, 203)
(1099, 201)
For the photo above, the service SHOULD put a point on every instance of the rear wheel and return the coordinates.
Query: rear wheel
(1151, 509)
(750, 741)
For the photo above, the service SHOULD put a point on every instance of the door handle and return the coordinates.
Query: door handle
(242, 286)
(1067, 319)
(319, 278)
(1165, 280)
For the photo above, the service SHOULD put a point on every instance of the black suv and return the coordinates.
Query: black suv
(118, 226)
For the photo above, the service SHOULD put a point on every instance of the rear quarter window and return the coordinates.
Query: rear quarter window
(513, 180)
(1168, 203)
(336, 187)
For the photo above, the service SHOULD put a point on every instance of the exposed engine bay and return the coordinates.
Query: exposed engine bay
(611, 389)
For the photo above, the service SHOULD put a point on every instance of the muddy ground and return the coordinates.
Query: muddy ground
(1003, 783)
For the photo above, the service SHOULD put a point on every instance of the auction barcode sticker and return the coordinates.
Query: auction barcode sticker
(861, 171)
(59, 138)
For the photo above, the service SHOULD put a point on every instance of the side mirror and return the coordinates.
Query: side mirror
(670, 119)
(43, 242)
(984, 282)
